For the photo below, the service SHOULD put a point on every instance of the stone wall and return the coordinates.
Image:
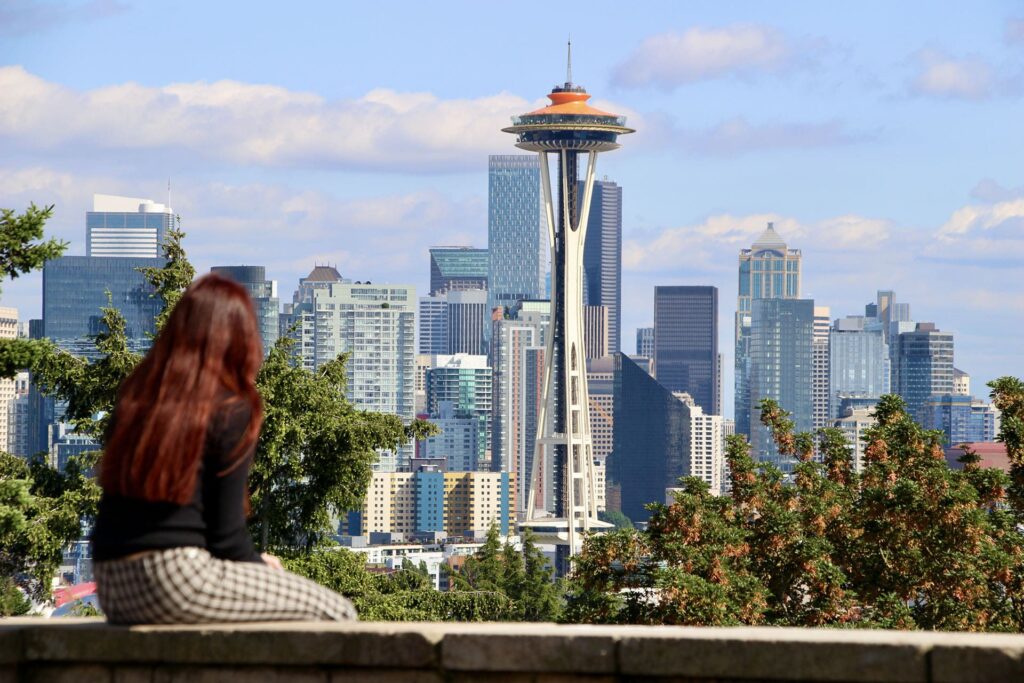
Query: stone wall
(88, 650)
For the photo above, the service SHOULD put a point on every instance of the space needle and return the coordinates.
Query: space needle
(568, 129)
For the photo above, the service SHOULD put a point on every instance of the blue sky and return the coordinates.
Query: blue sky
(884, 139)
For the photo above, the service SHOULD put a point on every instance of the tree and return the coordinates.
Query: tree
(40, 513)
(908, 542)
(315, 452)
(404, 595)
(616, 518)
(526, 577)
(20, 249)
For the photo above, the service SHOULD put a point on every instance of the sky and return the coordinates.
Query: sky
(885, 140)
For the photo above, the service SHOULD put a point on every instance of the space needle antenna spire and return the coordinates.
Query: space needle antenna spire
(568, 63)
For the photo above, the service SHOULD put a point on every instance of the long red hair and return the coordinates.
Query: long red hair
(205, 359)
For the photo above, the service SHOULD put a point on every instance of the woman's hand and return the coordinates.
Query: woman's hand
(271, 561)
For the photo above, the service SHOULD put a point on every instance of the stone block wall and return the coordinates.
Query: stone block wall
(88, 651)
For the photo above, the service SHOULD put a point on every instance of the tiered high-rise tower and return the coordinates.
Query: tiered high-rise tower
(567, 129)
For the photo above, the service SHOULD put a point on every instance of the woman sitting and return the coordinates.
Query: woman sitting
(170, 544)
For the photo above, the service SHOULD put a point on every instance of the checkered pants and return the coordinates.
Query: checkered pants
(190, 586)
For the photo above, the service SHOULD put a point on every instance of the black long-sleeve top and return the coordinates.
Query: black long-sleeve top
(214, 519)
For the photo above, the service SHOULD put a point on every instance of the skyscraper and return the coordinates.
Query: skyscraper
(433, 324)
(376, 325)
(645, 342)
(264, 298)
(516, 236)
(76, 288)
(518, 344)
(651, 440)
(8, 393)
(820, 416)
(126, 226)
(596, 339)
(601, 386)
(961, 418)
(768, 270)
(858, 361)
(462, 380)
(459, 395)
(781, 340)
(567, 129)
(602, 255)
(686, 342)
(923, 360)
(466, 319)
(455, 268)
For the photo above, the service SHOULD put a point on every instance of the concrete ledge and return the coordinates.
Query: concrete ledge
(85, 650)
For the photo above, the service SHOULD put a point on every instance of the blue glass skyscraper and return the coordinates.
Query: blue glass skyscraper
(264, 298)
(75, 288)
(686, 342)
(858, 361)
(768, 270)
(516, 234)
(781, 339)
(650, 448)
(457, 268)
(602, 256)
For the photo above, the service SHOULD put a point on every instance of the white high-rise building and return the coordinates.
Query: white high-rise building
(820, 415)
(126, 226)
(8, 330)
(707, 456)
(376, 325)
(853, 424)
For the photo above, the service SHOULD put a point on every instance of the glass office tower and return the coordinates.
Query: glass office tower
(781, 340)
(602, 256)
(75, 289)
(768, 270)
(858, 361)
(686, 342)
(516, 234)
(923, 364)
(264, 298)
(455, 268)
(651, 439)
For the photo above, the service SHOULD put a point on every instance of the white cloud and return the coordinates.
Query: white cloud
(940, 75)
(721, 234)
(249, 124)
(982, 218)
(672, 59)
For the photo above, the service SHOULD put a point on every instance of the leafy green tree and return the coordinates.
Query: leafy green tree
(525, 577)
(40, 513)
(907, 542)
(21, 248)
(316, 450)
(405, 595)
(616, 518)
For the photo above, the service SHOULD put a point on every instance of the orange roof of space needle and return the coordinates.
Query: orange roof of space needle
(569, 102)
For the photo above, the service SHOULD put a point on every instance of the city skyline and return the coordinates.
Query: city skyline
(743, 158)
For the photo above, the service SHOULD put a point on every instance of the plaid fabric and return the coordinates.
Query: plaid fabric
(190, 586)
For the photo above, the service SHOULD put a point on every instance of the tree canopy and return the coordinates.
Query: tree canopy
(907, 543)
